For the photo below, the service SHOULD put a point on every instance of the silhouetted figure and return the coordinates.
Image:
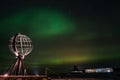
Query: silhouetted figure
(75, 68)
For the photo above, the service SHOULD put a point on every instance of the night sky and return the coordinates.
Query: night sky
(64, 32)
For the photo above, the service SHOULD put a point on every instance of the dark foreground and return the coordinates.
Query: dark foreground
(44, 77)
(56, 79)
(81, 79)
(27, 77)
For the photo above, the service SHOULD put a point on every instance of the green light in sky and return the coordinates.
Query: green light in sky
(45, 23)
(38, 23)
(50, 23)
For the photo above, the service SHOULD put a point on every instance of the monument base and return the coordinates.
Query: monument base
(26, 77)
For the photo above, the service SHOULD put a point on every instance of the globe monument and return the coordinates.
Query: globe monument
(21, 46)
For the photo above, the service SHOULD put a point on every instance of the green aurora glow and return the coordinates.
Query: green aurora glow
(57, 38)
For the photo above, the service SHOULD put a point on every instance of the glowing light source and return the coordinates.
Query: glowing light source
(36, 75)
(5, 75)
(99, 70)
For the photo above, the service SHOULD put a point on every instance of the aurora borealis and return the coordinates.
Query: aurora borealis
(63, 32)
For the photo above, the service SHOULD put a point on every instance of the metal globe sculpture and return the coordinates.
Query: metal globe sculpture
(20, 45)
